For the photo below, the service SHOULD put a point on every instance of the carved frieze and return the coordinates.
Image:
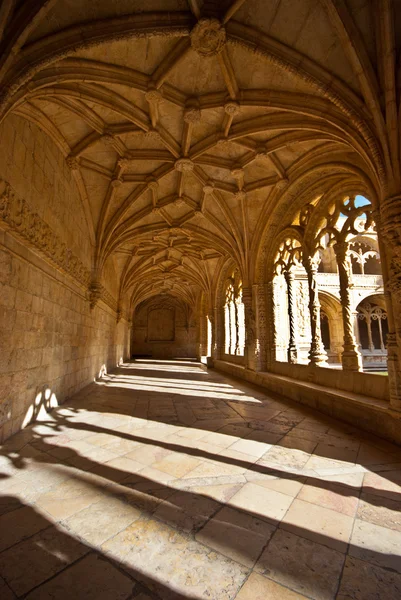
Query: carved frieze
(16, 214)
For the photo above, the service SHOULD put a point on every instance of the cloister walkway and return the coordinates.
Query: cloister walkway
(163, 480)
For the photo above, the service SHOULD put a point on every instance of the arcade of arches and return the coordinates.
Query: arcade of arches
(208, 180)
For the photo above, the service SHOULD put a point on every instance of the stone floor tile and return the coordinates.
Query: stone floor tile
(380, 511)
(262, 502)
(266, 437)
(258, 587)
(237, 535)
(176, 464)
(191, 433)
(333, 452)
(239, 430)
(31, 562)
(386, 484)
(291, 487)
(154, 475)
(325, 466)
(68, 498)
(375, 544)
(216, 468)
(364, 581)
(352, 481)
(207, 574)
(102, 520)
(103, 465)
(369, 455)
(117, 469)
(221, 493)
(239, 458)
(295, 459)
(330, 495)
(219, 439)
(302, 565)
(186, 511)
(251, 447)
(20, 524)
(318, 524)
(147, 454)
(105, 583)
(121, 446)
(5, 591)
(296, 443)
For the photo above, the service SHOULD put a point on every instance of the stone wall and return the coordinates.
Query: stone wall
(164, 328)
(52, 344)
(38, 172)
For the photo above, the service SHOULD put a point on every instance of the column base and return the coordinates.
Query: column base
(292, 355)
(318, 360)
(351, 360)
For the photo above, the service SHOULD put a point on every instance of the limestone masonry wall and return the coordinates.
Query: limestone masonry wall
(51, 342)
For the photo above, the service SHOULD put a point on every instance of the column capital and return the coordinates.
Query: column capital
(341, 248)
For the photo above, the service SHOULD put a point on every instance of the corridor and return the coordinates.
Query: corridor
(164, 480)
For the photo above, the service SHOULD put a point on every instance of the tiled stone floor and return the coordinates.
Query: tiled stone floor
(166, 481)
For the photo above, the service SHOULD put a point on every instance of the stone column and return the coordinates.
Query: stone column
(292, 351)
(317, 353)
(351, 358)
(249, 350)
(388, 224)
(215, 321)
(270, 326)
(260, 326)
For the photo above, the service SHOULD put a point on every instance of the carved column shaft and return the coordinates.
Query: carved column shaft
(388, 224)
(351, 358)
(317, 353)
(292, 351)
(249, 350)
(269, 342)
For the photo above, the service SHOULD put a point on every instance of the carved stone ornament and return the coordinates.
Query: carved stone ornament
(73, 163)
(95, 293)
(123, 163)
(184, 165)
(116, 182)
(198, 214)
(208, 37)
(240, 195)
(154, 96)
(179, 201)
(232, 108)
(390, 213)
(152, 184)
(192, 115)
(282, 184)
(108, 139)
(155, 210)
(208, 189)
(19, 217)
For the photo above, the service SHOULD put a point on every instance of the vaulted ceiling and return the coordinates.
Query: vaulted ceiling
(185, 123)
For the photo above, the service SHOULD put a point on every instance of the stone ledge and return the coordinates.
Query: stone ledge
(370, 414)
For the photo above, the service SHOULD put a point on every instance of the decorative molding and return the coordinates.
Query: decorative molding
(23, 221)
(208, 37)
(184, 165)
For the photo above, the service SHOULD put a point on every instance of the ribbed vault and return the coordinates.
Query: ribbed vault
(185, 124)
